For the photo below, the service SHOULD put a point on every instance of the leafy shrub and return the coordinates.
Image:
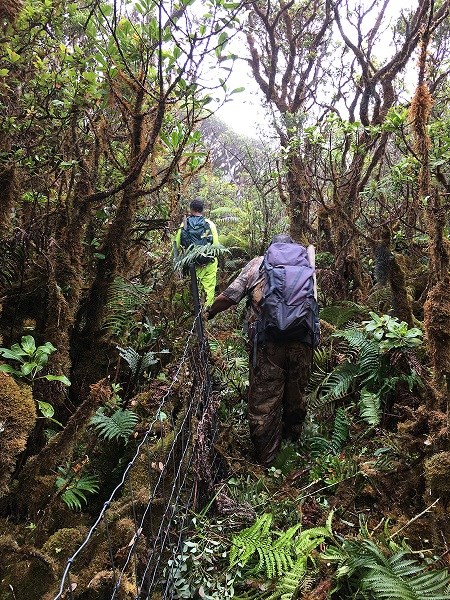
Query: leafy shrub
(368, 369)
(31, 360)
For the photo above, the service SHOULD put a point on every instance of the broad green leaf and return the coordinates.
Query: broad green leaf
(13, 353)
(61, 378)
(89, 76)
(28, 367)
(9, 369)
(28, 344)
(46, 409)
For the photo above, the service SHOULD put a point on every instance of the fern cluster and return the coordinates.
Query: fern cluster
(367, 571)
(120, 424)
(366, 372)
(280, 557)
(125, 300)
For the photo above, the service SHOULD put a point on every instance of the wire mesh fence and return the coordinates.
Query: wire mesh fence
(141, 526)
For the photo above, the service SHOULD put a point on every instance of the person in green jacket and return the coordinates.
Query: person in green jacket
(196, 229)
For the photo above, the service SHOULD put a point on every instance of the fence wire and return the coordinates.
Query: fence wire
(183, 482)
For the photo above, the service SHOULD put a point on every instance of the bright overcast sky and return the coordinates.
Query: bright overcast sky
(244, 112)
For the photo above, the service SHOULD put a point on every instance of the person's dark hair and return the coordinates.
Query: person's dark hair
(282, 238)
(196, 205)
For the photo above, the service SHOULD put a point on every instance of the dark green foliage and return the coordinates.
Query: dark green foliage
(125, 300)
(75, 486)
(320, 445)
(366, 571)
(138, 363)
(341, 313)
(287, 458)
(366, 372)
(120, 424)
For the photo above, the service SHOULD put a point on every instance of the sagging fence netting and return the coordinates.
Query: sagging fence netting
(142, 525)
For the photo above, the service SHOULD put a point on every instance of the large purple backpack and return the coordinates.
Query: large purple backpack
(289, 310)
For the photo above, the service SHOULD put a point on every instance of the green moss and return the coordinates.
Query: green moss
(26, 570)
(63, 543)
(17, 420)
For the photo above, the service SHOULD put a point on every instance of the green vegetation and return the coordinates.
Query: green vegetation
(107, 133)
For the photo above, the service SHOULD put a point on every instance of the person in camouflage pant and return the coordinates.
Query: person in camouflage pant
(279, 372)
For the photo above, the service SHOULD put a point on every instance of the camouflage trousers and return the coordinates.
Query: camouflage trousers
(276, 405)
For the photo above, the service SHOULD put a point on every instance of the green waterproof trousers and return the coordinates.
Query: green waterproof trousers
(207, 276)
(276, 405)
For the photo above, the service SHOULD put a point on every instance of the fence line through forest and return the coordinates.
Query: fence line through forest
(156, 537)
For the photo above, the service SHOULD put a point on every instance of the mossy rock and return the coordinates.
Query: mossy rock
(63, 543)
(27, 572)
(437, 474)
(17, 420)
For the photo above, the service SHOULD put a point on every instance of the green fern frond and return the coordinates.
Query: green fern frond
(245, 543)
(74, 487)
(340, 431)
(369, 407)
(406, 580)
(354, 337)
(321, 446)
(320, 370)
(293, 572)
(339, 382)
(124, 300)
(343, 312)
(370, 570)
(138, 363)
(120, 424)
(321, 357)
(191, 254)
(289, 584)
(369, 353)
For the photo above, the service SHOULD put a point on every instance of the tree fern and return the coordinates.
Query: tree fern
(120, 424)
